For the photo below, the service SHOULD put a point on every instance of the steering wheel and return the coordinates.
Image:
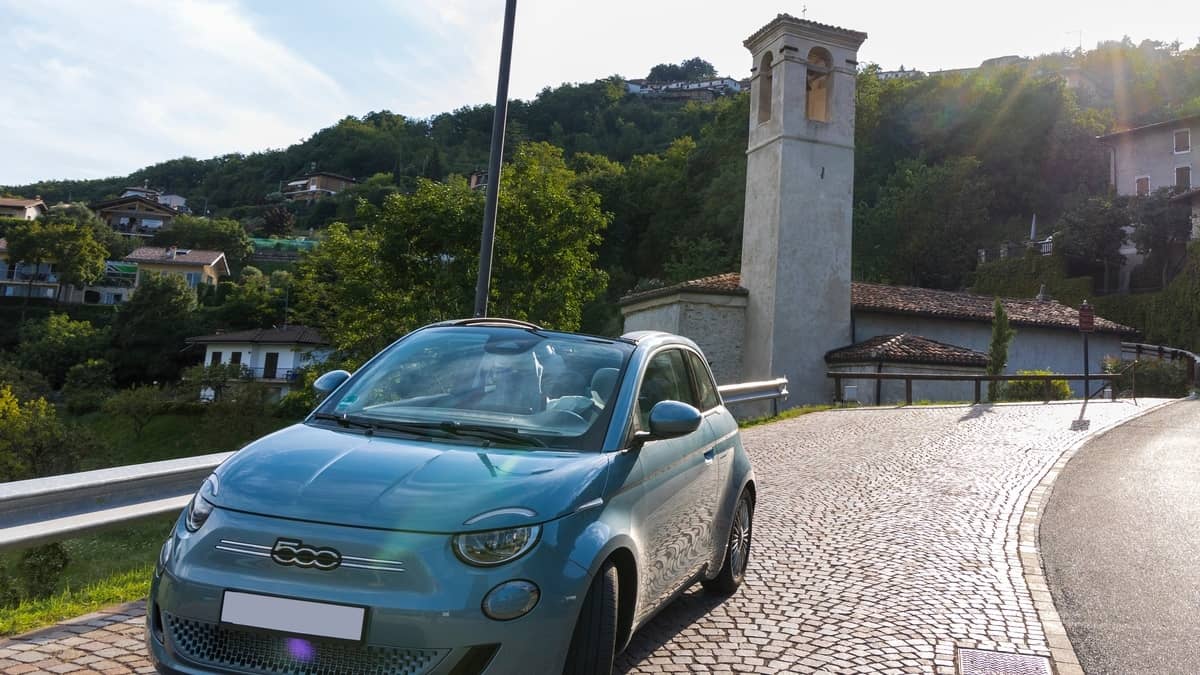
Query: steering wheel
(572, 416)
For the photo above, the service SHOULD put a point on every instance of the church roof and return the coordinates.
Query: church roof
(905, 348)
(859, 35)
(865, 297)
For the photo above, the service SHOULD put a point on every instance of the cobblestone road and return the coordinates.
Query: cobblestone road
(884, 538)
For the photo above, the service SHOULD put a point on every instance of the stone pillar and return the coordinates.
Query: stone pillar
(799, 197)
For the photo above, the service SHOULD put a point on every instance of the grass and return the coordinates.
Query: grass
(105, 569)
(169, 437)
(785, 415)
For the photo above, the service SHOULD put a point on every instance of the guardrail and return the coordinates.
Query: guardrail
(44, 510)
(909, 378)
(1139, 350)
(768, 390)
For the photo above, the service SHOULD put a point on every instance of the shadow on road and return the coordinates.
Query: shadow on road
(686, 610)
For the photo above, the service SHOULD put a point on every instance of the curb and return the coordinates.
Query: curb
(1029, 552)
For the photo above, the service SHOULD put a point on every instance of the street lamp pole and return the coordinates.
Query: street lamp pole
(1087, 324)
(488, 238)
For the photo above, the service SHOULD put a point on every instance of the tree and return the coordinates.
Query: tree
(150, 329)
(33, 443)
(1159, 223)
(1093, 230)
(278, 221)
(88, 385)
(139, 405)
(31, 244)
(25, 384)
(212, 381)
(1002, 337)
(53, 345)
(78, 257)
(220, 234)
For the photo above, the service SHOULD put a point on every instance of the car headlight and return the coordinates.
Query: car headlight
(200, 508)
(497, 547)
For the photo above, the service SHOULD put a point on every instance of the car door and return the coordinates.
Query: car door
(679, 479)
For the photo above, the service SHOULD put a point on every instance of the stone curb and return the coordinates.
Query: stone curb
(1029, 552)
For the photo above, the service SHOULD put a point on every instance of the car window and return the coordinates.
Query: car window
(666, 379)
(705, 387)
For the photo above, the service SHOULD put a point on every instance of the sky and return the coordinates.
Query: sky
(95, 89)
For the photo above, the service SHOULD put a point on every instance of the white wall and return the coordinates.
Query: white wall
(1055, 349)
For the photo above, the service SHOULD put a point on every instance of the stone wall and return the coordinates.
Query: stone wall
(715, 322)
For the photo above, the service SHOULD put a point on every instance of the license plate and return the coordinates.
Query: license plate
(293, 616)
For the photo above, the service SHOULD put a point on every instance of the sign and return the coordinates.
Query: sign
(1087, 318)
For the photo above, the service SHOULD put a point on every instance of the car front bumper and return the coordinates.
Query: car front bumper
(426, 619)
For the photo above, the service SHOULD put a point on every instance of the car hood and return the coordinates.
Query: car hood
(323, 475)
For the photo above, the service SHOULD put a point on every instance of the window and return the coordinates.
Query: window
(817, 85)
(235, 358)
(705, 388)
(1183, 178)
(1183, 141)
(666, 379)
(1141, 186)
(193, 278)
(215, 359)
(765, 85)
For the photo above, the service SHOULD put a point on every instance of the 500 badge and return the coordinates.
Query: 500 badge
(296, 552)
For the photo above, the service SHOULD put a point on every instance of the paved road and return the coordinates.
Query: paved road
(1121, 545)
(884, 540)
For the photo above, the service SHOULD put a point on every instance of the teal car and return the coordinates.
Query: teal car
(483, 496)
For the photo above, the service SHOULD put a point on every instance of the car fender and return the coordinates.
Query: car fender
(742, 478)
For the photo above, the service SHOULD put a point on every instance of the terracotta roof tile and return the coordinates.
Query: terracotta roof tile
(183, 256)
(788, 17)
(285, 335)
(723, 284)
(905, 348)
(18, 201)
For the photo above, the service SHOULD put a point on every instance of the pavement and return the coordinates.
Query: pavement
(1121, 544)
(885, 540)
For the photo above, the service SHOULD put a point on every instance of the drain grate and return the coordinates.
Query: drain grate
(985, 662)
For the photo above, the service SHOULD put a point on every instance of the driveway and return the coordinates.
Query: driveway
(885, 540)
(1121, 545)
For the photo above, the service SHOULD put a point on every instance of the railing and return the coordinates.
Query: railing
(43, 510)
(768, 390)
(1139, 350)
(909, 378)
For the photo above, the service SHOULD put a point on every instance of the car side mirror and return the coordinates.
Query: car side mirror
(670, 419)
(330, 381)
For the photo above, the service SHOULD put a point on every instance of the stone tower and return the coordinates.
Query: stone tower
(799, 195)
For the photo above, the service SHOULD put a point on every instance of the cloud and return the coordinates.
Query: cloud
(106, 88)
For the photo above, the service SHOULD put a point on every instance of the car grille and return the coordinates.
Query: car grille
(248, 651)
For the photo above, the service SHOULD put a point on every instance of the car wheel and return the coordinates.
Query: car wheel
(737, 551)
(594, 642)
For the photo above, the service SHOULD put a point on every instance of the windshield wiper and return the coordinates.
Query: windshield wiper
(489, 433)
(372, 425)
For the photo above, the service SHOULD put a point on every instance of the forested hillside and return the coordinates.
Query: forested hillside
(945, 163)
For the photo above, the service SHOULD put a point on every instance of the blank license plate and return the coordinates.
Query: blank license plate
(293, 616)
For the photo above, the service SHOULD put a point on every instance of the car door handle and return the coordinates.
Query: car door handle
(708, 456)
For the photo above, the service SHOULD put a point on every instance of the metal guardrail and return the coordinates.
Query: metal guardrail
(909, 378)
(768, 390)
(43, 510)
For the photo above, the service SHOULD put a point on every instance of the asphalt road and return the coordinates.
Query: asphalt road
(1120, 541)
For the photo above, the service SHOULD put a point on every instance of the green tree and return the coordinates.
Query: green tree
(138, 405)
(25, 384)
(1092, 230)
(150, 330)
(220, 234)
(31, 245)
(211, 382)
(52, 345)
(88, 385)
(33, 442)
(278, 221)
(1159, 223)
(78, 256)
(1002, 337)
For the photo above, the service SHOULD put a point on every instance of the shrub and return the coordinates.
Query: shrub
(88, 385)
(1035, 390)
(1150, 377)
(41, 568)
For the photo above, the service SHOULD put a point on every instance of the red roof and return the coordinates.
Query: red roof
(721, 284)
(275, 336)
(905, 348)
(19, 202)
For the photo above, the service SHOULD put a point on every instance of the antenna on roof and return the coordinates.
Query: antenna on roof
(804, 12)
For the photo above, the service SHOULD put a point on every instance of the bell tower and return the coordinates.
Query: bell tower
(799, 199)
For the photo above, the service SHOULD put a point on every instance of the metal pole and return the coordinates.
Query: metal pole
(488, 238)
(1087, 386)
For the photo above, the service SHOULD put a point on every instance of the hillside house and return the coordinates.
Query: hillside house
(25, 209)
(135, 215)
(195, 265)
(18, 279)
(272, 356)
(316, 185)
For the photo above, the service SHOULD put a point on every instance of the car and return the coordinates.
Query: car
(482, 496)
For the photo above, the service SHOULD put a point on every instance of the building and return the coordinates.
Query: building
(272, 356)
(902, 74)
(115, 287)
(316, 185)
(1146, 158)
(195, 265)
(135, 215)
(706, 89)
(904, 353)
(25, 209)
(18, 279)
(792, 310)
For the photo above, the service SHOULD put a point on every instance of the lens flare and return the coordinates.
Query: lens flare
(301, 649)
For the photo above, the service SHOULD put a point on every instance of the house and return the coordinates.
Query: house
(1149, 157)
(18, 279)
(176, 202)
(196, 265)
(135, 215)
(316, 185)
(902, 74)
(25, 209)
(904, 353)
(115, 287)
(270, 355)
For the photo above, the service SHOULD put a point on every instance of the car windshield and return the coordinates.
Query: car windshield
(498, 384)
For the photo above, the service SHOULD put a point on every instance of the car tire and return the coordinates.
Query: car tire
(737, 550)
(594, 642)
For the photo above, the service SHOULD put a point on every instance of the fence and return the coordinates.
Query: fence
(909, 378)
(1138, 351)
(43, 510)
